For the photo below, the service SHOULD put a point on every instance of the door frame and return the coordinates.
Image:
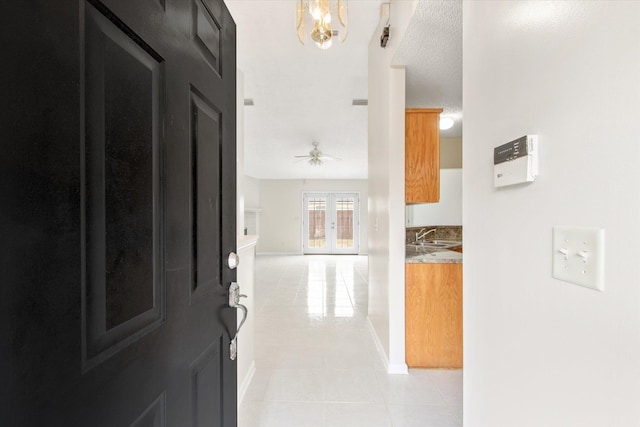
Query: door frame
(330, 248)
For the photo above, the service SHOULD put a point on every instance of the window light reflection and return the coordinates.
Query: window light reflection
(319, 300)
(315, 283)
(344, 276)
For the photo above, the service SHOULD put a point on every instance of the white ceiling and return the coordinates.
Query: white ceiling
(303, 94)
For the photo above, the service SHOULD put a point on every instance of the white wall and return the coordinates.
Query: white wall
(386, 190)
(252, 210)
(450, 153)
(251, 192)
(448, 211)
(281, 216)
(538, 351)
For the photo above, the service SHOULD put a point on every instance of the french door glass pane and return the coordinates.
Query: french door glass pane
(344, 222)
(316, 213)
(330, 224)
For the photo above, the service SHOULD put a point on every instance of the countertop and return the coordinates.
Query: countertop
(243, 242)
(431, 256)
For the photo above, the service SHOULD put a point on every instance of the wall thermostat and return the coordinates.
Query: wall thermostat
(516, 162)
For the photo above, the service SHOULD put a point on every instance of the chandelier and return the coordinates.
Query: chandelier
(320, 20)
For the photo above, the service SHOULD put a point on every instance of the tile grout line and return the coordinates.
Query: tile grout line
(324, 335)
(446, 401)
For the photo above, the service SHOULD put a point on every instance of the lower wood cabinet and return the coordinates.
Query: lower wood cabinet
(433, 311)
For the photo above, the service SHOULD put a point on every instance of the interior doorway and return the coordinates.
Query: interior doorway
(331, 223)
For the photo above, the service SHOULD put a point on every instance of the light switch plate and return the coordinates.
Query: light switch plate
(578, 256)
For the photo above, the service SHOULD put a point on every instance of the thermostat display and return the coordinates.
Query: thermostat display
(516, 162)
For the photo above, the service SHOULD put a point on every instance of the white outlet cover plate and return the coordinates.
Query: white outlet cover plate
(578, 256)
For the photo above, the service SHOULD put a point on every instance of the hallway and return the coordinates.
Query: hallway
(316, 361)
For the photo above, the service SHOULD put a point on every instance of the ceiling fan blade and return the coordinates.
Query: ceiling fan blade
(315, 156)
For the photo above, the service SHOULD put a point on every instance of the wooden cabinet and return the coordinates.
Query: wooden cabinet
(422, 155)
(433, 315)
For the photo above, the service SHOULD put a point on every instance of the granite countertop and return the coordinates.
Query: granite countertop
(431, 256)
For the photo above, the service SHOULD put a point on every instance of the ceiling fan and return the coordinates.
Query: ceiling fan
(315, 156)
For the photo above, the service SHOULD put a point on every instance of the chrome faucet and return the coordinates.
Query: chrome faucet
(422, 234)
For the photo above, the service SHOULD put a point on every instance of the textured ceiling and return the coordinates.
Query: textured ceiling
(303, 94)
(432, 53)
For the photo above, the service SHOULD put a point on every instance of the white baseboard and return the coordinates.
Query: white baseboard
(398, 369)
(379, 347)
(391, 368)
(278, 253)
(246, 382)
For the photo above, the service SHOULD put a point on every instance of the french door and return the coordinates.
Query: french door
(331, 223)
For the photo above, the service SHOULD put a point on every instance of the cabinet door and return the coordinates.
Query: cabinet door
(422, 155)
(433, 310)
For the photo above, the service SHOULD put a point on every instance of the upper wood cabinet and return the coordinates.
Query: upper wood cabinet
(422, 155)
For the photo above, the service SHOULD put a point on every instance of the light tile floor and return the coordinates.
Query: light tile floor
(316, 361)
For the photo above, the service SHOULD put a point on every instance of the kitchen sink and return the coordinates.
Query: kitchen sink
(436, 244)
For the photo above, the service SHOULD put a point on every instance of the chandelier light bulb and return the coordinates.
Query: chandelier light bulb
(315, 13)
(325, 45)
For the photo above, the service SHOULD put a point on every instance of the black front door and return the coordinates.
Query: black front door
(117, 213)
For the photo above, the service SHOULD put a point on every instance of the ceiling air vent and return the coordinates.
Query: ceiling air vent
(360, 102)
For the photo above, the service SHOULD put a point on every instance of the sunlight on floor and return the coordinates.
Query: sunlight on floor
(316, 362)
